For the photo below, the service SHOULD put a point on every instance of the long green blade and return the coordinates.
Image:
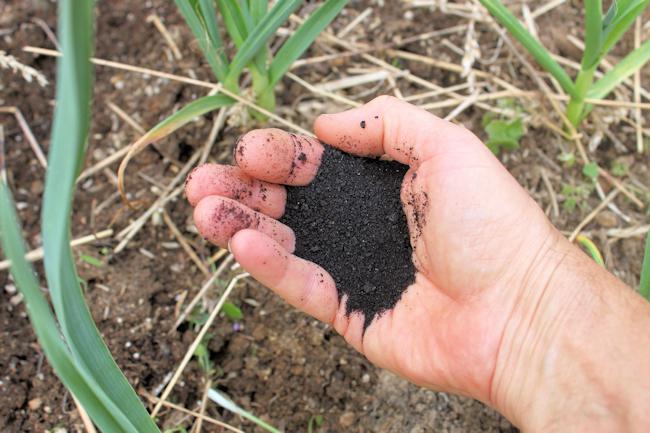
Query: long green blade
(298, 43)
(260, 36)
(170, 124)
(67, 149)
(225, 402)
(536, 49)
(258, 9)
(100, 408)
(201, 19)
(240, 23)
(623, 69)
(593, 33)
(626, 13)
(234, 21)
(644, 285)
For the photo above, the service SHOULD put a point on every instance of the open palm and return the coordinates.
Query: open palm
(474, 243)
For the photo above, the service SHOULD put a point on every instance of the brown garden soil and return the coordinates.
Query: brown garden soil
(282, 365)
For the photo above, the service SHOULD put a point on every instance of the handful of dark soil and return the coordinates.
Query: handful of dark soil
(350, 221)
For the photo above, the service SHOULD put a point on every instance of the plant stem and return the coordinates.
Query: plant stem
(576, 108)
(264, 97)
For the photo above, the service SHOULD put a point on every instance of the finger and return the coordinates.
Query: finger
(389, 126)
(232, 182)
(303, 284)
(219, 218)
(277, 156)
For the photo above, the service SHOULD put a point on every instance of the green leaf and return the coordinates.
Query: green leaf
(644, 284)
(503, 134)
(66, 156)
(593, 33)
(534, 47)
(234, 20)
(232, 311)
(591, 170)
(223, 401)
(98, 405)
(93, 261)
(260, 36)
(621, 71)
(298, 43)
(170, 124)
(258, 9)
(591, 248)
(316, 420)
(202, 22)
(626, 12)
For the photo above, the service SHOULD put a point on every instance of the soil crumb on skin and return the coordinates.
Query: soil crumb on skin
(350, 221)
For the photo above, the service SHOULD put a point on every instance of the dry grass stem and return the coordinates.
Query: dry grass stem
(28, 73)
(195, 343)
(551, 192)
(198, 424)
(603, 204)
(125, 116)
(184, 243)
(208, 419)
(153, 18)
(547, 7)
(27, 131)
(322, 92)
(37, 254)
(637, 89)
(355, 22)
(217, 124)
(85, 419)
(202, 292)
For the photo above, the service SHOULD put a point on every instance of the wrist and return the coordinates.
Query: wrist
(574, 353)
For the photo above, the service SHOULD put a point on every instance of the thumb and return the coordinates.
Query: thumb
(390, 126)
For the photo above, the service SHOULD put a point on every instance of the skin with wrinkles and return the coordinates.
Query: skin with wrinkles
(502, 307)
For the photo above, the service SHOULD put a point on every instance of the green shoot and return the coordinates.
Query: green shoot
(223, 401)
(91, 260)
(203, 355)
(644, 284)
(251, 28)
(317, 421)
(602, 33)
(71, 341)
(575, 196)
(591, 170)
(502, 134)
(591, 248)
(232, 311)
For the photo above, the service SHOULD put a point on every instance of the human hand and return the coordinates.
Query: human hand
(484, 255)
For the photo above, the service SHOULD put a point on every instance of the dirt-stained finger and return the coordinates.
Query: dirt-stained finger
(231, 182)
(219, 218)
(278, 156)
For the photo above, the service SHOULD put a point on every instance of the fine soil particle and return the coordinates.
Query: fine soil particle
(350, 221)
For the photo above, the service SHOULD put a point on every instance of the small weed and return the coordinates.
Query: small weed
(502, 134)
(591, 170)
(198, 316)
(178, 429)
(568, 158)
(232, 311)
(619, 168)
(316, 420)
(202, 354)
(575, 196)
(92, 261)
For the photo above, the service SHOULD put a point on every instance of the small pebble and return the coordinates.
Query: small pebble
(347, 419)
(35, 403)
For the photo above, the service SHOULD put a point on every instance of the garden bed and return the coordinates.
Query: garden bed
(276, 362)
